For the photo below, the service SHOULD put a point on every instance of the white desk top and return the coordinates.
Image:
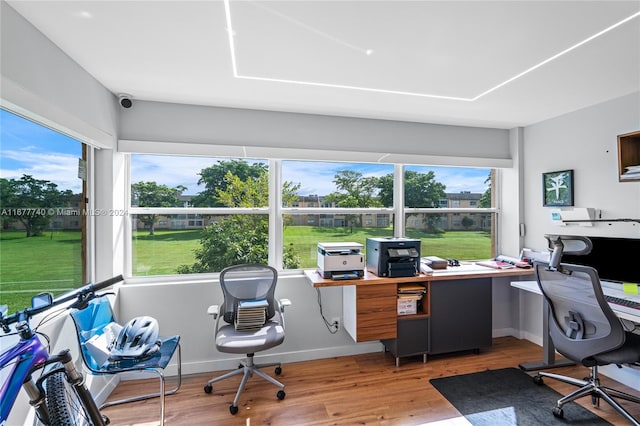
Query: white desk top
(609, 289)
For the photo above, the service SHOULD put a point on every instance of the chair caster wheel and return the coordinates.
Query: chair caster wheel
(208, 388)
(595, 401)
(105, 419)
(281, 395)
(278, 371)
(557, 412)
(233, 409)
(538, 380)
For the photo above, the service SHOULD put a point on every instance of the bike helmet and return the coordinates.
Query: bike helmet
(137, 339)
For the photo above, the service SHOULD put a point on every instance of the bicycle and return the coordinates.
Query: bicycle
(59, 395)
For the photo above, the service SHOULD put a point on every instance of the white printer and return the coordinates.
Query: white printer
(340, 261)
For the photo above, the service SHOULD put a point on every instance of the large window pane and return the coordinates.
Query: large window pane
(185, 244)
(329, 185)
(457, 232)
(41, 211)
(168, 242)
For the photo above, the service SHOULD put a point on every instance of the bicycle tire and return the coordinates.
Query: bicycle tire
(63, 403)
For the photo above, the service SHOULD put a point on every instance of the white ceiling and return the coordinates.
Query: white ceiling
(493, 64)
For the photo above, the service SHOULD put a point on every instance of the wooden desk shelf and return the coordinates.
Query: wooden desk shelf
(455, 316)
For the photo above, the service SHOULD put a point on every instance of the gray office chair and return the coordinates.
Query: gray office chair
(583, 327)
(253, 321)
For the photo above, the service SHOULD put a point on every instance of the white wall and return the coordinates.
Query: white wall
(585, 141)
(181, 309)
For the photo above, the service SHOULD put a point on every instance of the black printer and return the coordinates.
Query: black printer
(393, 257)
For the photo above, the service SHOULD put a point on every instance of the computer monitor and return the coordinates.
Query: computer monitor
(609, 256)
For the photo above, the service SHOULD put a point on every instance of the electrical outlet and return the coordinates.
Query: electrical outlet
(335, 322)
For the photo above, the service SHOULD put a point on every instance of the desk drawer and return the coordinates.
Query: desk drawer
(376, 312)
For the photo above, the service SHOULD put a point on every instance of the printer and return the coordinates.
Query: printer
(340, 261)
(393, 257)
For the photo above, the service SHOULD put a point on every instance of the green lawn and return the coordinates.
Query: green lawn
(28, 266)
(52, 261)
(465, 245)
(162, 253)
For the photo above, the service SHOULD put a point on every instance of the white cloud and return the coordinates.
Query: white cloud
(61, 169)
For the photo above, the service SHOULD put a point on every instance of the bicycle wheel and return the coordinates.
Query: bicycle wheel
(63, 403)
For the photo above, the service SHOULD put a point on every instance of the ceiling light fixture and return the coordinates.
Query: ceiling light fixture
(368, 52)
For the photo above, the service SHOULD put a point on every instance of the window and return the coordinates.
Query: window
(196, 214)
(42, 211)
(349, 202)
(461, 226)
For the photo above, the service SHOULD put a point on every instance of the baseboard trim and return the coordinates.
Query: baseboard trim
(231, 362)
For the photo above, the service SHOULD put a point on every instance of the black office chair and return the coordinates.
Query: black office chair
(583, 327)
(254, 322)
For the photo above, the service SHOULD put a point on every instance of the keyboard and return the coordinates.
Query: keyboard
(623, 302)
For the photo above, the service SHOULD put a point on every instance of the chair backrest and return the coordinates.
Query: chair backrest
(581, 322)
(248, 282)
(91, 324)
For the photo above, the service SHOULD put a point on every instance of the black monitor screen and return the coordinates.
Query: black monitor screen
(610, 257)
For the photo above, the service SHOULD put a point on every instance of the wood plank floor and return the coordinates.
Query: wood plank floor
(351, 390)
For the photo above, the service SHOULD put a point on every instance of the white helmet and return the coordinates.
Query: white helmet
(137, 339)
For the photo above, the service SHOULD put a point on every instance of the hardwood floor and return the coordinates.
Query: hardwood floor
(362, 389)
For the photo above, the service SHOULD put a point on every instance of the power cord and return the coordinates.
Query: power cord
(333, 327)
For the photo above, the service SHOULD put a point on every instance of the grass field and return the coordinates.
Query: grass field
(51, 262)
(457, 244)
(28, 266)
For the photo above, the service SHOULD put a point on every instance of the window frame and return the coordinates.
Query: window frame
(276, 213)
(88, 153)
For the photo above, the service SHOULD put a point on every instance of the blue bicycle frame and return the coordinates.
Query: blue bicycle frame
(27, 355)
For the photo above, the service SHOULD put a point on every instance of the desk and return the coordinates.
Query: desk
(455, 314)
(548, 350)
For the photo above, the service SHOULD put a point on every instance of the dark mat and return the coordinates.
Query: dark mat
(509, 397)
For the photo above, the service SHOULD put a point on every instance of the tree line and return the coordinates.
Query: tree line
(235, 183)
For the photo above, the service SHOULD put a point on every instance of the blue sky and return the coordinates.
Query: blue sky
(29, 148)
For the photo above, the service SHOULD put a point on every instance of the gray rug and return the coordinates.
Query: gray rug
(509, 397)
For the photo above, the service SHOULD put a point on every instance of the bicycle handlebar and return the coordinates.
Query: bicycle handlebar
(79, 294)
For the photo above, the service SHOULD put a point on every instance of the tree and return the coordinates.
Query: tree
(150, 194)
(467, 222)
(32, 202)
(215, 178)
(242, 238)
(485, 200)
(354, 190)
(421, 190)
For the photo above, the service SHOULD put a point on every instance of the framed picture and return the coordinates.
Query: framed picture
(557, 188)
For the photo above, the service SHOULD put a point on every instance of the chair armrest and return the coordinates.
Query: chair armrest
(214, 310)
(283, 303)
